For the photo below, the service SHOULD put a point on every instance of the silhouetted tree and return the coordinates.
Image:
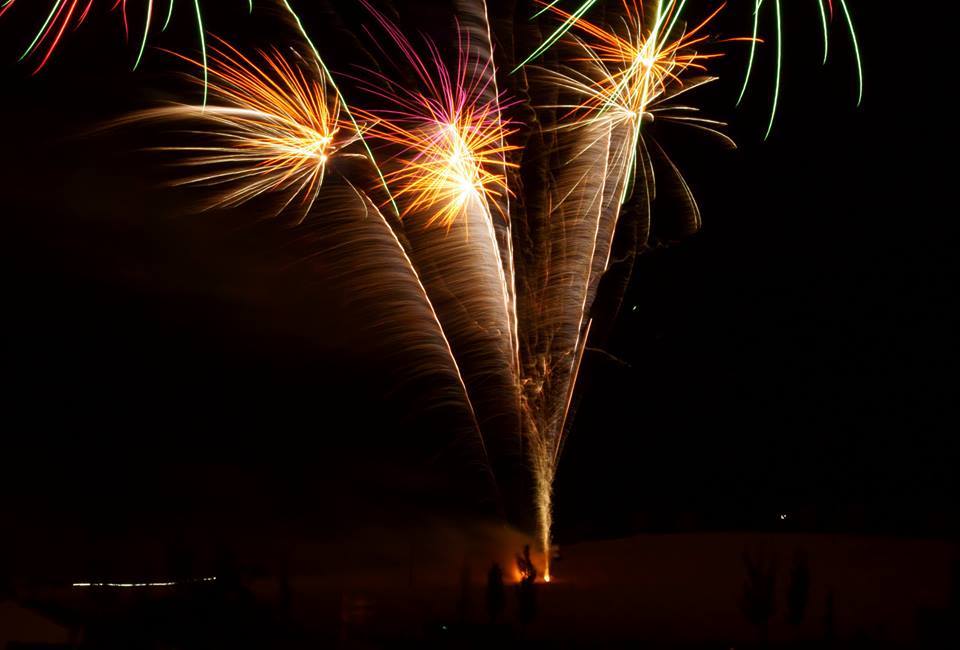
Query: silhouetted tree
(798, 590)
(527, 589)
(496, 596)
(758, 603)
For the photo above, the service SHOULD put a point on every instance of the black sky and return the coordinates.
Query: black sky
(796, 355)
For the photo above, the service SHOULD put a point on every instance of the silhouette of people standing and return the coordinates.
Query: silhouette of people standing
(526, 590)
(496, 596)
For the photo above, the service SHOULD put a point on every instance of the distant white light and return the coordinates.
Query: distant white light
(140, 585)
(784, 516)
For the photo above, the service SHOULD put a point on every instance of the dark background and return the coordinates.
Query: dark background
(796, 356)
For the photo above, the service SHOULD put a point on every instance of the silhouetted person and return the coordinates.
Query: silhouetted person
(525, 564)
(496, 596)
(758, 594)
(527, 589)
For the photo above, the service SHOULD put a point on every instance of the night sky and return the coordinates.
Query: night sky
(797, 355)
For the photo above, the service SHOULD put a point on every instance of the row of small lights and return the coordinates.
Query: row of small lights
(132, 585)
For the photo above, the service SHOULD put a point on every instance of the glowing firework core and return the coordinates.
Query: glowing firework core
(451, 155)
(446, 171)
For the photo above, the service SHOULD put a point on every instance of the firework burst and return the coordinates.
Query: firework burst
(63, 15)
(616, 82)
(827, 11)
(67, 15)
(827, 14)
(451, 141)
(277, 124)
(633, 75)
(446, 152)
(448, 163)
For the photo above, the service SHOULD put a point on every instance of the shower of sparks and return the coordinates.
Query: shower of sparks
(619, 79)
(277, 123)
(448, 162)
(446, 159)
(639, 67)
(67, 15)
(451, 141)
(343, 102)
(826, 10)
(63, 15)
